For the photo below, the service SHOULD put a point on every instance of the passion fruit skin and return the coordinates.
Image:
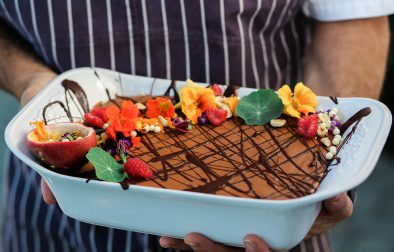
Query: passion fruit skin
(63, 155)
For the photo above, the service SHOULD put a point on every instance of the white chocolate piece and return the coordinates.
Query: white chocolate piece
(333, 150)
(336, 110)
(277, 123)
(133, 133)
(151, 127)
(146, 128)
(336, 131)
(105, 125)
(157, 129)
(336, 141)
(332, 114)
(329, 155)
(322, 132)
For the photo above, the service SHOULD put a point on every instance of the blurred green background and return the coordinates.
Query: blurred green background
(371, 227)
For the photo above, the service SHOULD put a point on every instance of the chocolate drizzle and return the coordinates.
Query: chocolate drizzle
(71, 87)
(45, 113)
(334, 99)
(236, 159)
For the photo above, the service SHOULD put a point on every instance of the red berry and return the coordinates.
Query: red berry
(216, 89)
(216, 116)
(307, 126)
(93, 120)
(100, 112)
(135, 167)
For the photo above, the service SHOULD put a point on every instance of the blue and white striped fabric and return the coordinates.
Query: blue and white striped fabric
(255, 43)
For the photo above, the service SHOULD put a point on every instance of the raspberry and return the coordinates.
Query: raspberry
(93, 120)
(307, 126)
(135, 167)
(100, 112)
(216, 89)
(96, 118)
(216, 116)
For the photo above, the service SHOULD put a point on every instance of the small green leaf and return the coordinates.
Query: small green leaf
(259, 107)
(106, 166)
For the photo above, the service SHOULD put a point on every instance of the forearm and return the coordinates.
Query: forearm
(348, 58)
(18, 63)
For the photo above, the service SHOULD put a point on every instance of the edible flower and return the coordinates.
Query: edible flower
(303, 101)
(195, 99)
(181, 125)
(122, 120)
(40, 132)
(232, 103)
(203, 120)
(160, 107)
(123, 148)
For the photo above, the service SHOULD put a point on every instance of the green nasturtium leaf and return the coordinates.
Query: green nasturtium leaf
(259, 107)
(106, 166)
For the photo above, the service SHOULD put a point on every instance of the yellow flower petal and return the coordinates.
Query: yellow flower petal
(306, 109)
(232, 103)
(285, 94)
(304, 95)
(291, 111)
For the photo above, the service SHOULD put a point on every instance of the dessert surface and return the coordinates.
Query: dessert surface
(267, 145)
(235, 159)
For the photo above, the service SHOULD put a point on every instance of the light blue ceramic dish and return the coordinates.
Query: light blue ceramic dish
(283, 224)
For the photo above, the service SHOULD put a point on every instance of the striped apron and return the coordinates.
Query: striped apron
(254, 43)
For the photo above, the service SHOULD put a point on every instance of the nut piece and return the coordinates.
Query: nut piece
(325, 141)
(336, 131)
(162, 121)
(337, 140)
(156, 129)
(333, 150)
(276, 123)
(140, 106)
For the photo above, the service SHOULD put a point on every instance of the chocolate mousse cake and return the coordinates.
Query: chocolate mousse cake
(230, 158)
(235, 159)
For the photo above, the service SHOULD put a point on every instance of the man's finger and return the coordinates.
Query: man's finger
(339, 207)
(200, 243)
(47, 194)
(253, 243)
(168, 242)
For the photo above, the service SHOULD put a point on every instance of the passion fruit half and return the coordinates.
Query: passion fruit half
(59, 152)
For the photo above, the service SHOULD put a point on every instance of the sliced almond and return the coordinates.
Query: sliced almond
(277, 123)
(140, 106)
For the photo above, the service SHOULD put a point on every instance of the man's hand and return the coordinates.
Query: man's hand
(200, 243)
(334, 210)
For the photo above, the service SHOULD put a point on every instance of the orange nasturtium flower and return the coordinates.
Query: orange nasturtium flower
(122, 119)
(302, 101)
(160, 106)
(196, 99)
